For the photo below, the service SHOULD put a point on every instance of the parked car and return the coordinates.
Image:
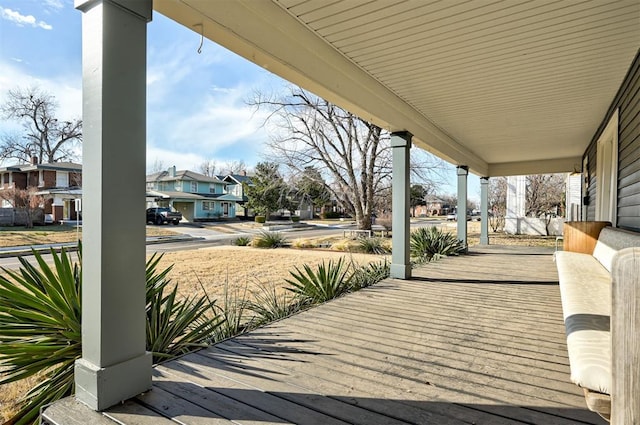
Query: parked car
(159, 215)
(454, 217)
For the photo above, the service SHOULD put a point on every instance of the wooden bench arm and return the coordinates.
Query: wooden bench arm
(625, 337)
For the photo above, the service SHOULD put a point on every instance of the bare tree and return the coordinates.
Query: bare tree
(44, 137)
(545, 196)
(233, 167)
(157, 166)
(497, 202)
(353, 155)
(26, 200)
(208, 168)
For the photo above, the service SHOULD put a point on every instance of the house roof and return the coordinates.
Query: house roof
(54, 166)
(236, 178)
(513, 87)
(183, 175)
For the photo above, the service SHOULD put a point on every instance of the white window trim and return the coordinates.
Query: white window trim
(607, 172)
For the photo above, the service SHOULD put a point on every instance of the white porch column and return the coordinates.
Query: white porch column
(400, 257)
(114, 364)
(484, 211)
(463, 172)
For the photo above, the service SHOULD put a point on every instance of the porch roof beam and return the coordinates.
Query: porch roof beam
(546, 166)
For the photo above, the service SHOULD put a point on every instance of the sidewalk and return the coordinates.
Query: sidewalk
(14, 251)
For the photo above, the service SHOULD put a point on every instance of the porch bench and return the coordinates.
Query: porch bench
(587, 283)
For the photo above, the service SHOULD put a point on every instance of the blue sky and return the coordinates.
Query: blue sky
(196, 102)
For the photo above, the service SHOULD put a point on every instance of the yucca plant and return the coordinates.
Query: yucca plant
(242, 241)
(232, 312)
(40, 332)
(175, 326)
(40, 325)
(373, 246)
(269, 305)
(428, 243)
(269, 240)
(328, 281)
(369, 274)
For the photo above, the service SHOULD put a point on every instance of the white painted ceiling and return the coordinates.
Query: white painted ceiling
(505, 87)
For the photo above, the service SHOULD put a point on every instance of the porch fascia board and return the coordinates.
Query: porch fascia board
(545, 166)
(296, 54)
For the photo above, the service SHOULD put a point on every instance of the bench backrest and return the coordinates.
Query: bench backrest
(610, 241)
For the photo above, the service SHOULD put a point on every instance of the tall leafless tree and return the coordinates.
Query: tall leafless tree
(353, 155)
(44, 137)
(497, 202)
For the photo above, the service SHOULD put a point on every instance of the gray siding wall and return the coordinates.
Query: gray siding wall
(628, 100)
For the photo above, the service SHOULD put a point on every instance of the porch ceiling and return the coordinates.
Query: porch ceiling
(505, 87)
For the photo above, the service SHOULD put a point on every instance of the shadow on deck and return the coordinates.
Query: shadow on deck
(477, 339)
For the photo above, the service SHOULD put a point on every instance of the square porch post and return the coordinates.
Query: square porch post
(114, 364)
(484, 211)
(400, 257)
(463, 172)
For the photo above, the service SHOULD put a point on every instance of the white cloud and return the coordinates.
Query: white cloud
(67, 90)
(53, 4)
(22, 20)
(169, 158)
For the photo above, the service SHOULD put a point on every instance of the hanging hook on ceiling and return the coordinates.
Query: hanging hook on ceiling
(201, 37)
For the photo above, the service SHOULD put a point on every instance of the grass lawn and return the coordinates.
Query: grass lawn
(21, 236)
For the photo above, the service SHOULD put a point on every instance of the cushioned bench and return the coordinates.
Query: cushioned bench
(586, 291)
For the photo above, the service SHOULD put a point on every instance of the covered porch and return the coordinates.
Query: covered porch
(507, 88)
(476, 339)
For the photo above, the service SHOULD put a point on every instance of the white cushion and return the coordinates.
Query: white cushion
(610, 241)
(585, 287)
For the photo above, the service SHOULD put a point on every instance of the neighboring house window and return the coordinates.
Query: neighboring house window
(178, 186)
(206, 206)
(150, 185)
(212, 188)
(62, 179)
(194, 187)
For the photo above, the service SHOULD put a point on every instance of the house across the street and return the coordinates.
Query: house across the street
(197, 196)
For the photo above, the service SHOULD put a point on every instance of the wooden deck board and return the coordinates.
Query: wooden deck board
(476, 339)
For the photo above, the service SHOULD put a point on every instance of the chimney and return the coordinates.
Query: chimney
(34, 160)
(172, 171)
(243, 172)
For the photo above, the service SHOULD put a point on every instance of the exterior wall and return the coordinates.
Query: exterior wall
(627, 101)
(20, 180)
(216, 209)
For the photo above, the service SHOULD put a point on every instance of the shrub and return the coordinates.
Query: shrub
(295, 218)
(329, 281)
(242, 241)
(40, 325)
(373, 245)
(269, 240)
(232, 312)
(261, 219)
(329, 214)
(432, 243)
(369, 274)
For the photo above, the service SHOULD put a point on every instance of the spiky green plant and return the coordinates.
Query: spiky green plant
(373, 245)
(242, 241)
(232, 312)
(40, 308)
(269, 305)
(175, 325)
(369, 274)
(40, 325)
(269, 240)
(429, 243)
(328, 281)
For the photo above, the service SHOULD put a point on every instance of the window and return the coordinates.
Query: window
(206, 205)
(212, 188)
(194, 187)
(607, 173)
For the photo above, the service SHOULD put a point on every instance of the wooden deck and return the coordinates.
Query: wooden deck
(477, 339)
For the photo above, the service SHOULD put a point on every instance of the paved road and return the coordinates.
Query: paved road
(208, 238)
